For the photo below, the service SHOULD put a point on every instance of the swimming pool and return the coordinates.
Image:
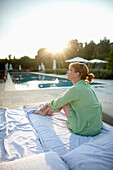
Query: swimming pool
(29, 81)
(35, 81)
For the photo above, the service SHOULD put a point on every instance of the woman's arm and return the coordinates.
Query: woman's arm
(69, 96)
(56, 105)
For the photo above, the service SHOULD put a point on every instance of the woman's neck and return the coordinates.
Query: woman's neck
(75, 80)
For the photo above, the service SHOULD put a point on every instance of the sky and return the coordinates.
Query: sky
(28, 25)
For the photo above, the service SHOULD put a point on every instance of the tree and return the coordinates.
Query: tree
(26, 62)
(102, 49)
(73, 45)
(45, 56)
(9, 56)
(14, 57)
(88, 50)
(110, 60)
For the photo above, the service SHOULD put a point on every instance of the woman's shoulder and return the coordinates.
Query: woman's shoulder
(81, 83)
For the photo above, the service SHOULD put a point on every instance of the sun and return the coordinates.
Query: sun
(56, 47)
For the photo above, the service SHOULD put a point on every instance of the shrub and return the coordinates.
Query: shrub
(49, 70)
(61, 71)
(57, 71)
(34, 70)
(102, 73)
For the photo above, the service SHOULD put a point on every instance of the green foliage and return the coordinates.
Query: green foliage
(102, 73)
(99, 73)
(57, 71)
(44, 56)
(27, 63)
(61, 71)
(102, 49)
(9, 56)
(88, 50)
(110, 60)
(2, 63)
(49, 70)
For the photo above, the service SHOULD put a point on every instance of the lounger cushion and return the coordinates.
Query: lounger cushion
(18, 139)
(97, 155)
(43, 161)
(54, 134)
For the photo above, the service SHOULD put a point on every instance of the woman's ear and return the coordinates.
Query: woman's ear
(77, 74)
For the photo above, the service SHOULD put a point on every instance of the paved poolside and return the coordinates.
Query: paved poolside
(11, 98)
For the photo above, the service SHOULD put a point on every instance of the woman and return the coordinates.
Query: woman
(80, 103)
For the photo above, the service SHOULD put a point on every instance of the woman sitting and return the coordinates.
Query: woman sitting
(80, 103)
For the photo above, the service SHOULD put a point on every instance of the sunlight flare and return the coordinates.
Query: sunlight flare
(56, 47)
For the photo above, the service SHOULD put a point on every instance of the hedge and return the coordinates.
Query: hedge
(99, 73)
(102, 73)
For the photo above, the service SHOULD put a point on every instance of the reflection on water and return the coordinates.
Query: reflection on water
(35, 81)
(25, 81)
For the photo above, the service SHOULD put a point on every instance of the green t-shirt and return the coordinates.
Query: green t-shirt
(86, 112)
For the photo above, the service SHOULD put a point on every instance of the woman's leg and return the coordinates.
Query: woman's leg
(48, 110)
(67, 110)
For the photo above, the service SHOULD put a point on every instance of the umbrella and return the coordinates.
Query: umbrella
(39, 67)
(77, 59)
(6, 66)
(43, 66)
(97, 61)
(20, 68)
(10, 67)
(54, 64)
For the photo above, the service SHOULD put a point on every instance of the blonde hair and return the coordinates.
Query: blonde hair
(83, 70)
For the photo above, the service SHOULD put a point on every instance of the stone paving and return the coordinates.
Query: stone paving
(11, 98)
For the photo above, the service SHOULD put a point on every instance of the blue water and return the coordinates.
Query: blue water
(41, 80)
(30, 80)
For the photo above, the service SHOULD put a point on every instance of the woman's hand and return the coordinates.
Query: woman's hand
(39, 112)
(44, 107)
(45, 110)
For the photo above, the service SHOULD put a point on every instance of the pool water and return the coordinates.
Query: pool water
(34, 81)
(26, 81)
